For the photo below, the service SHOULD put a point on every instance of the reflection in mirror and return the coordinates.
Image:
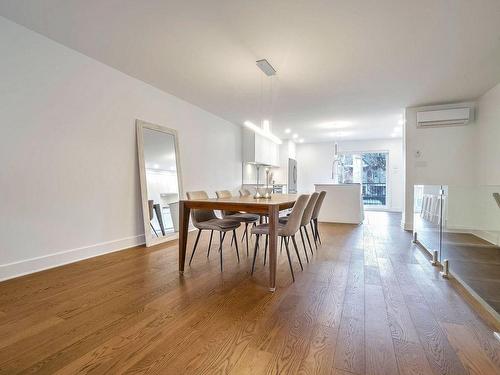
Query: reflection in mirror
(160, 181)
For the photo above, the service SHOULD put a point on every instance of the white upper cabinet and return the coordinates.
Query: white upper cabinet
(258, 149)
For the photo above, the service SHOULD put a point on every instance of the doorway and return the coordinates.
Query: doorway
(368, 169)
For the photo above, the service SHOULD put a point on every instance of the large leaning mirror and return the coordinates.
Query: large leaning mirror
(160, 177)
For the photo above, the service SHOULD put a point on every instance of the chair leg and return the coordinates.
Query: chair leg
(221, 237)
(297, 252)
(317, 230)
(314, 235)
(246, 235)
(308, 240)
(265, 249)
(313, 231)
(281, 245)
(303, 242)
(289, 259)
(313, 223)
(210, 243)
(195, 244)
(255, 252)
(236, 244)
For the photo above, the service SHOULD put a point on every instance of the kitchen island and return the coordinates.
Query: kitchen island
(343, 203)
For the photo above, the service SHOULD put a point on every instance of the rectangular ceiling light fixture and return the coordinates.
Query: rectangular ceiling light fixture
(266, 67)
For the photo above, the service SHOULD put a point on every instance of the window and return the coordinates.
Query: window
(369, 169)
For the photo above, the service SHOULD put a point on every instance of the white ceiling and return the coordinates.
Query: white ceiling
(360, 62)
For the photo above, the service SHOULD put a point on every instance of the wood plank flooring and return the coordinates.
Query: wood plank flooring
(472, 259)
(367, 303)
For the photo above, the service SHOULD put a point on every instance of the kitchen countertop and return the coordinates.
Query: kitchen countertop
(349, 184)
(264, 184)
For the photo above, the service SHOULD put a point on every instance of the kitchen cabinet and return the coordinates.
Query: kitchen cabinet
(343, 203)
(259, 150)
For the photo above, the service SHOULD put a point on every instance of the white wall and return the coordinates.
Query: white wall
(69, 177)
(314, 165)
(447, 156)
(488, 119)
(488, 164)
(466, 158)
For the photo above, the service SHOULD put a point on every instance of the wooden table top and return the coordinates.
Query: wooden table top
(275, 199)
(244, 203)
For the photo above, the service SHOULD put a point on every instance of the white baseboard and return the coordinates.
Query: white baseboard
(27, 266)
(488, 236)
(382, 209)
(491, 237)
(457, 229)
(406, 225)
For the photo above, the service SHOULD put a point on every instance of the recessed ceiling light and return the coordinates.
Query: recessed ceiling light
(335, 125)
(339, 134)
(301, 140)
(156, 166)
(288, 131)
(295, 136)
(401, 122)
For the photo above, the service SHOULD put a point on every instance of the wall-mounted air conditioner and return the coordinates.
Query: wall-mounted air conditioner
(444, 117)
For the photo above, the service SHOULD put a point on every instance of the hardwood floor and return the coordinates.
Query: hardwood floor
(472, 259)
(368, 303)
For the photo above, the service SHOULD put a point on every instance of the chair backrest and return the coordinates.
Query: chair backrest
(306, 218)
(225, 194)
(319, 203)
(295, 218)
(198, 215)
(244, 193)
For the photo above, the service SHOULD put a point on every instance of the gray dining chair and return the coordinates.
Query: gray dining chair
(285, 231)
(305, 220)
(314, 221)
(242, 217)
(207, 220)
(245, 192)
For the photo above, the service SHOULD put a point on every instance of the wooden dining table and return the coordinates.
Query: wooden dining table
(271, 207)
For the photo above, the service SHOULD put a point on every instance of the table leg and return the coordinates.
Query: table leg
(273, 241)
(183, 233)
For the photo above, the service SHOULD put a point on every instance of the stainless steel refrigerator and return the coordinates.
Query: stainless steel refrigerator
(292, 176)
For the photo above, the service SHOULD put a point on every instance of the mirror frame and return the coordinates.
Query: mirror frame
(140, 126)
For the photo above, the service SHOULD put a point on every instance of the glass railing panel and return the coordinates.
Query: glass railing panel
(471, 239)
(427, 216)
